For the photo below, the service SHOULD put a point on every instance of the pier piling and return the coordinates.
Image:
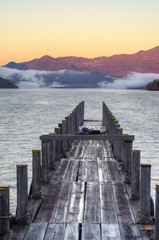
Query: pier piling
(4, 210)
(22, 194)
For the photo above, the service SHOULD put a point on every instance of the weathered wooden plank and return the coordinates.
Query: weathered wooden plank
(33, 207)
(36, 231)
(110, 231)
(113, 170)
(71, 232)
(69, 172)
(91, 232)
(55, 232)
(88, 137)
(72, 151)
(100, 151)
(123, 208)
(90, 151)
(82, 174)
(17, 232)
(103, 171)
(60, 171)
(92, 203)
(49, 204)
(108, 211)
(92, 171)
(129, 231)
(75, 171)
(76, 206)
(62, 205)
(80, 151)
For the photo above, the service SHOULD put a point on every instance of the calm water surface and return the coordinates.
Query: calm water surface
(27, 114)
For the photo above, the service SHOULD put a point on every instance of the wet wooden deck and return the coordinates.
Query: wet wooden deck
(85, 200)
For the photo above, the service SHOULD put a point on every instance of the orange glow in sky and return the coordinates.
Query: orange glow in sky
(87, 28)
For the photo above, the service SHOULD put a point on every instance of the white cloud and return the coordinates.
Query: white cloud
(133, 80)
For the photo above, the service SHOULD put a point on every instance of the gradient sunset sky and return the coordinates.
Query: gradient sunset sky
(87, 28)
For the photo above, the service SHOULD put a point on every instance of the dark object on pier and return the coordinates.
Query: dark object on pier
(86, 131)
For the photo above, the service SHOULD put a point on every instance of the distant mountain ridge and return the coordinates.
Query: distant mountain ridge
(117, 65)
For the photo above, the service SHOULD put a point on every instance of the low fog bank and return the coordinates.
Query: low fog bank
(132, 81)
(74, 79)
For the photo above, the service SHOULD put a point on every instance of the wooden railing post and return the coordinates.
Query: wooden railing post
(156, 235)
(135, 175)
(57, 145)
(4, 210)
(45, 161)
(36, 174)
(22, 194)
(51, 153)
(144, 212)
(127, 160)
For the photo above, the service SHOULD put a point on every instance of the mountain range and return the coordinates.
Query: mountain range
(117, 65)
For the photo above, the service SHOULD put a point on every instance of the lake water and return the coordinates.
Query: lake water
(27, 114)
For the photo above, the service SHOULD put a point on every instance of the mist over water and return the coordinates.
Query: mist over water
(27, 114)
(30, 79)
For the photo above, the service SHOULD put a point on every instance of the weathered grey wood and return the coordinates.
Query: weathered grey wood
(144, 212)
(76, 205)
(91, 232)
(87, 137)
(22, 194)
(60, 171)
(45, 160)
(17, 232)
(55, 232)
(51, 153)
(33, 208)
(123, 208)
(82, 175)
(57, 142)
(92, 171)
(71, 232)
(36, 231)
(49, 204)
(103, 171)
(157, 213)
(36, 174)
(127, 160)
(92, 203)
(69, 172)
(108, 211)
(130, 231)
(4, 210)
(113, 170)
(135, 175)
(62, 205)
(110, 231)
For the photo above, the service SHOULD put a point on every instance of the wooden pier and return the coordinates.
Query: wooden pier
(84, 187)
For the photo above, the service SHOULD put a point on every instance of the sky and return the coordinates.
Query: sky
(86, 28)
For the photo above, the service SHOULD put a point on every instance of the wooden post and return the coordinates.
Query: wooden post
(144, 213)
(36, 174)
(135, 175)
(4, 210)
(57, 145)
(45, 161)
(64, 132)
(157, 214)
(22, 194)
(60, 126)
(128, 157)
(119, 145)
(51, 153)
(66, 125)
